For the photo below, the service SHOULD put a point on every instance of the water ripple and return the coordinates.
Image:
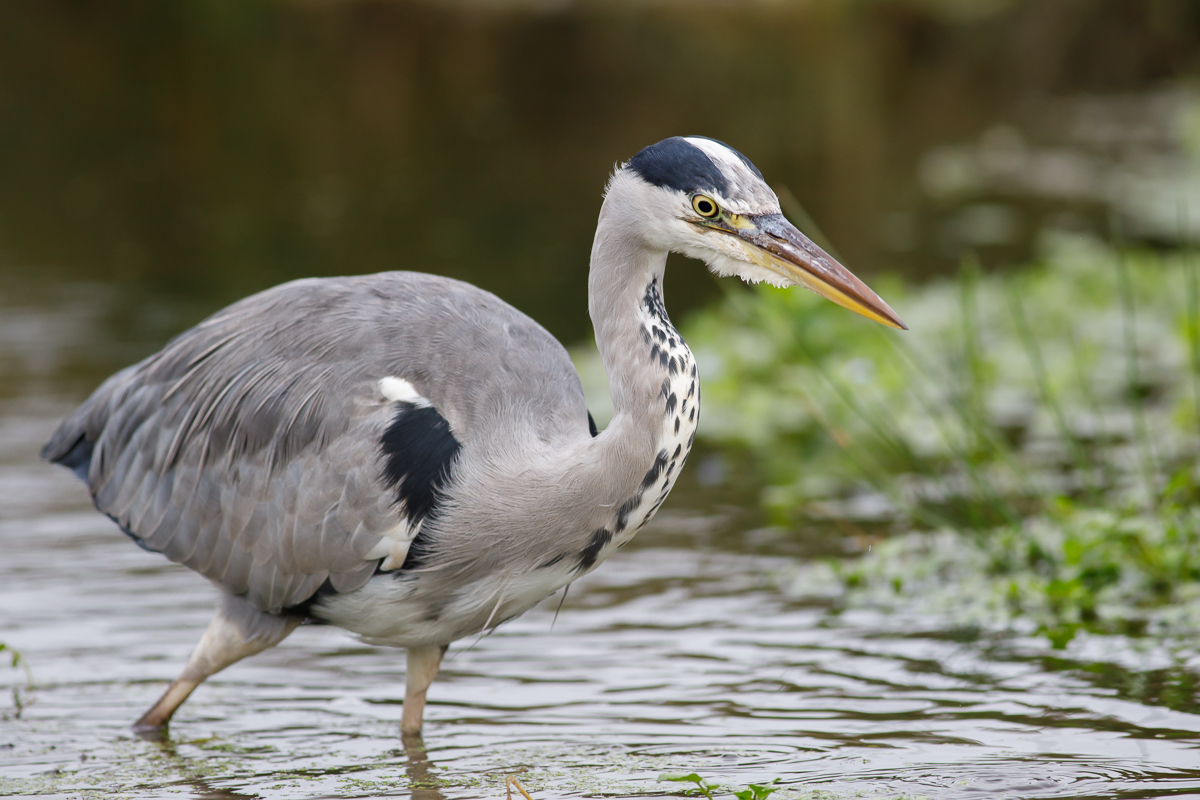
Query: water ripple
(668, 659)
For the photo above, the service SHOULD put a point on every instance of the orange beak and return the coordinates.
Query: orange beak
(773, 242)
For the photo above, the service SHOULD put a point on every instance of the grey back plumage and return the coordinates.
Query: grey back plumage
(326, 429)
(249, 448)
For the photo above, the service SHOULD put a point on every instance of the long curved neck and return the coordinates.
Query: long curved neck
(623, 271)
(652, 375)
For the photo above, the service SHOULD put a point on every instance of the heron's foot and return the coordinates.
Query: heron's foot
(145, 725)
(414, 747)
(156, 719)
(160, 734)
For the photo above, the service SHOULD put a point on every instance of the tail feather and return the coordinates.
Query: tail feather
(78, 458)
(73, 442)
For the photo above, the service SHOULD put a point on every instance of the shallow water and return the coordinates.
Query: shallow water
(689, 650)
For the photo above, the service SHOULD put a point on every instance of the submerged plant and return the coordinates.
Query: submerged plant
(20, 700)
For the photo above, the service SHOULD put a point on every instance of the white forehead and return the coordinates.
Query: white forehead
(747, 193)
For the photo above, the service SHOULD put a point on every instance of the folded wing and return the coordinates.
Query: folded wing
(256, 453)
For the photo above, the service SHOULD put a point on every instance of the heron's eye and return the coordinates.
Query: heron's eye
(705, 206)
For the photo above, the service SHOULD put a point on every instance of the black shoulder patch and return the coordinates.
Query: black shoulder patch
(592, 429)
(678, 164)
(418, 451)
(749, 164)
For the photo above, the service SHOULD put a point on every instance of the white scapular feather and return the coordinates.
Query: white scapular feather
(399, 390)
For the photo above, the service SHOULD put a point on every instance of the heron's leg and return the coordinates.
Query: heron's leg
(237, 630)
(423, 663)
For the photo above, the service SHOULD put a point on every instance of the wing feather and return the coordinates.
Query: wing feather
(258, 449)
(213, 474)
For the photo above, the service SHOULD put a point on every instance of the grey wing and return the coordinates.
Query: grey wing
(253, 452)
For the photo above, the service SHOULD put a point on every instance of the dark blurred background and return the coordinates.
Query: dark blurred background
(197, 152)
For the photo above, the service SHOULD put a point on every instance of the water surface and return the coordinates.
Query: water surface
(700, 647)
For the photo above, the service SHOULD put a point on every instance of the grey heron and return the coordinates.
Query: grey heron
(407, 456)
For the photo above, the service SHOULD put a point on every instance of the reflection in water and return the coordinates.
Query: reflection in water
(422, 784)
(191, 771)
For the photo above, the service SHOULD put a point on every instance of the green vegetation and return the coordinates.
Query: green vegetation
(703, 787)
(707, 788)
(1029, 447)
(1068, 570)
(20, 698)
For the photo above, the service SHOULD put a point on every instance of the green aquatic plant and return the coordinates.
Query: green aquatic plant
(20, 698)
(1010, 391)
(1074, 569)
(1029, 446)
(704, 786)
(707, 788)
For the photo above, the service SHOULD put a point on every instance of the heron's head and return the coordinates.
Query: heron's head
(704, 199)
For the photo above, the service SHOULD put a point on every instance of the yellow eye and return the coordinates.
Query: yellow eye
(705, 206)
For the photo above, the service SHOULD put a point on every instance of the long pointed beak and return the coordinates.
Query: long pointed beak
(776, 244)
